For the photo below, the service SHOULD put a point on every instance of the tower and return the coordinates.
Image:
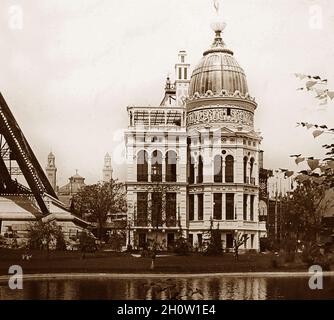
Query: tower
(107, 169)
(182, 78)
(223, 148)
(51, 171)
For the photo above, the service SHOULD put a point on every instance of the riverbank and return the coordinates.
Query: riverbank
(124, 263)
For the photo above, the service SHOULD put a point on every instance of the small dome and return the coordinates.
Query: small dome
(218, 70)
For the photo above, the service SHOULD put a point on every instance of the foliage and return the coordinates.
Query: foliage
(181, 246)
(116, 240)
(213, 242)
(95, 202)
(46, 235)
(87, 242)
(305, 207)
(312, 255)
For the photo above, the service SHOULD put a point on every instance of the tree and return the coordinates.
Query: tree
(86, 243)
(239, 239)
(95, 202)
(305, 207)
(181, 245)
(214, 242)
(43, 235)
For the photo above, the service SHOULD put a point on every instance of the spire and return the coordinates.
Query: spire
(107, 169)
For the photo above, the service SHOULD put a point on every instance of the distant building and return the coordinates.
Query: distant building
(66, 192)
(107, 169)
(51, 171)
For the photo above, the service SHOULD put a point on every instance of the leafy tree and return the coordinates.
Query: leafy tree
(44, 235)
(305, 207)
(95, 202)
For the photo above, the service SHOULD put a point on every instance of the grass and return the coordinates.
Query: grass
(110, 262)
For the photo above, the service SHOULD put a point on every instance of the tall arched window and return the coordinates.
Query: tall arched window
(245, 170)
(229, 169)
(218, 170)
(156, 172)
(142, 166)
(171, 166)
(252, 179)
(191, 177)
(200, 170)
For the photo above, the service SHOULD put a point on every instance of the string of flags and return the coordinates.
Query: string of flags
(317, 85)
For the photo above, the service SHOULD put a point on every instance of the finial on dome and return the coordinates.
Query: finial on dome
(218, 26)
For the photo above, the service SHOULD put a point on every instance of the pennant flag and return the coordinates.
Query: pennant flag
(216, 5)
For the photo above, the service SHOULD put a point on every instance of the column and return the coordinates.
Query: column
(149, 211)
(195, 207)
(164, 167)
(224, 206)
(149, 164)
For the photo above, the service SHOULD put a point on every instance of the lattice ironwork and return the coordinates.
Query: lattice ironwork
(17, 158)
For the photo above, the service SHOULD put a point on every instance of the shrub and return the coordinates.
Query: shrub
(87, 242)
(181, 246)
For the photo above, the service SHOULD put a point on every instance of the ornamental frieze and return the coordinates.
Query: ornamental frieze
(208, 116)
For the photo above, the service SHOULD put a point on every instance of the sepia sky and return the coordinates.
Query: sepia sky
(70, 71)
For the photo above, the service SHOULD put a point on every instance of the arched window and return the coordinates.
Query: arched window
(156, 172)
(252, 179)
(142, 166)
(191, 177)
(200, 170)
(171, 166)
(218, 170)
(245, 170)
(229, 169)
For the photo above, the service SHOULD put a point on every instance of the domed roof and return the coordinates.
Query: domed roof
(218, 70)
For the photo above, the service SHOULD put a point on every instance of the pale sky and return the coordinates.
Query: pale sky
(75, 65)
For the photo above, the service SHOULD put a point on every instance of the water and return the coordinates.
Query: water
(220, 288)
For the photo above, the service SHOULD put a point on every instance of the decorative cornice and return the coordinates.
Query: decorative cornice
(223, 93)
(220, 115)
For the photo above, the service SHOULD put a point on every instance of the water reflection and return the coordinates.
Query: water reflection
(222, 288)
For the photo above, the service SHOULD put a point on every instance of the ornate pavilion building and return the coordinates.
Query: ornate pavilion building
(193, 161)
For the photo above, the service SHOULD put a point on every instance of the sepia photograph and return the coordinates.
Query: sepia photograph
(175, 152)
